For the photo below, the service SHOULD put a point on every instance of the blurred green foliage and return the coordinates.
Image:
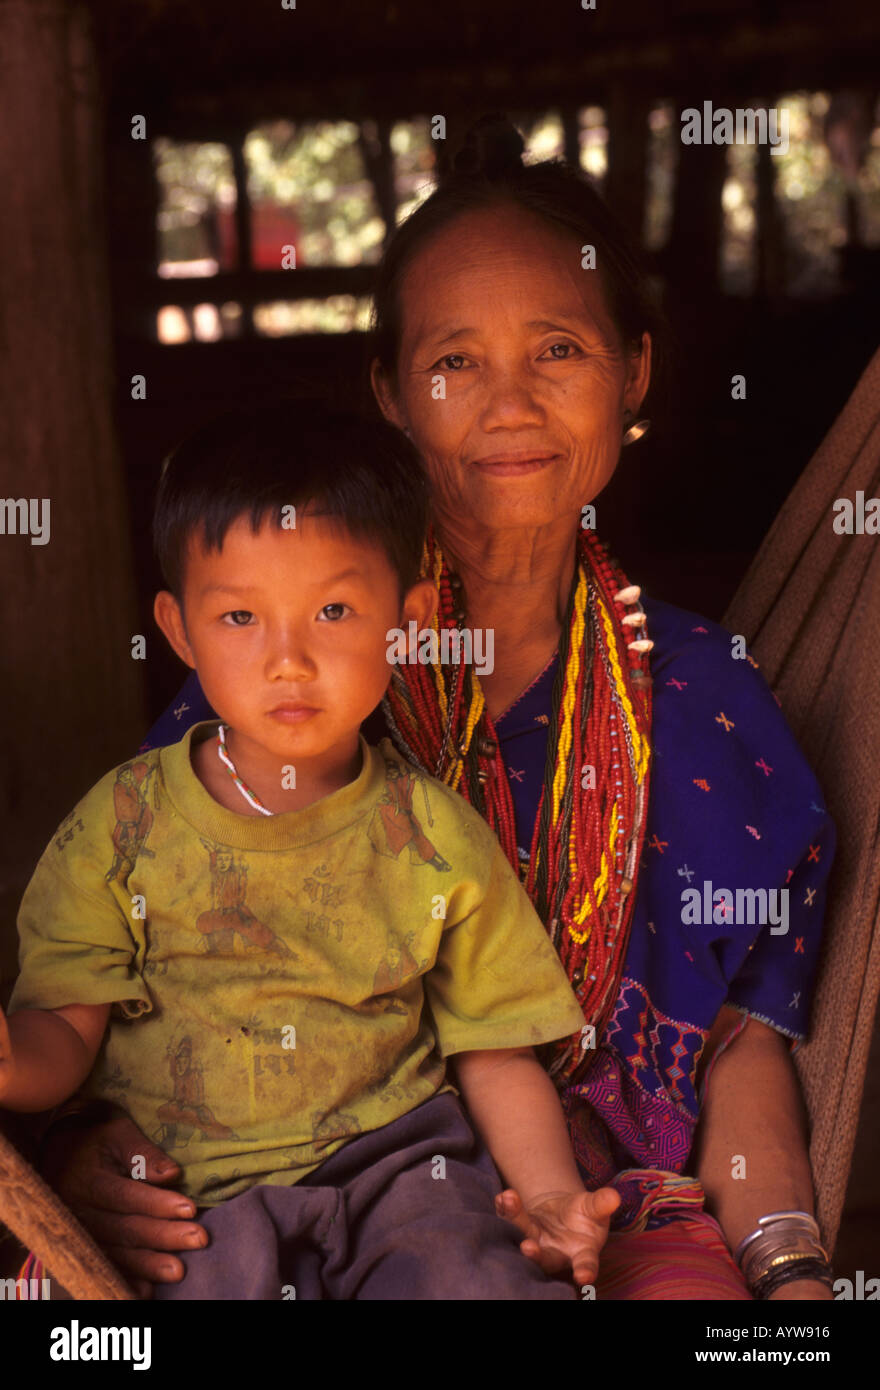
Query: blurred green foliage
(308, 184)
(318, 172)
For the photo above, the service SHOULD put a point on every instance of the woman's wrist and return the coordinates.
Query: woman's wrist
(803, 1290)
(788, 1270)
(784, 1251)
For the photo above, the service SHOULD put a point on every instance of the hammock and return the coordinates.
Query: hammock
(809, 608)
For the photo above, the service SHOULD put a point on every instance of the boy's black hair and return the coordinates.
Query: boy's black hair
(253, 461)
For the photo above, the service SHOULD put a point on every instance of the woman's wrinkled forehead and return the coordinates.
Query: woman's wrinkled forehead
(495, 269)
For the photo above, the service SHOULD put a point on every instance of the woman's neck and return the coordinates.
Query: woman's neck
(517, 579)
(517, 584)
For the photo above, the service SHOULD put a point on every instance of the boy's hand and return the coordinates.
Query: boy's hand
(564, 1230)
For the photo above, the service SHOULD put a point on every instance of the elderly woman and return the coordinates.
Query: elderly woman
(631, 759)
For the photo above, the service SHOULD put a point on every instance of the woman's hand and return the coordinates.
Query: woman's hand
(564, 1230)
(135, 1220)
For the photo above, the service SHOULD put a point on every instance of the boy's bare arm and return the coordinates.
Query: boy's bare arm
(515, 1106)
(517, 1110)
(46, 1054)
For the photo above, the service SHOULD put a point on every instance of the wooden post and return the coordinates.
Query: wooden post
(72, 695)
(243, 224)
(132, 206)
(625, 186)
(694, 252)
(769, 234)
(571, 135)
(375, 144)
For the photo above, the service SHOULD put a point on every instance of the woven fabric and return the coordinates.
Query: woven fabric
(809, 608)
(685, 1259)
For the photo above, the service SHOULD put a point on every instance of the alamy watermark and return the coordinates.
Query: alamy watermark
(27, 1289)
(426, 647)
(720, 907)
(862, 1290)
(26, 516)
(856, 517)
(719, 125)
(76, 1343)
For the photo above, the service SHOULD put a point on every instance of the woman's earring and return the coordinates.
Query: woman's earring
(635, 429)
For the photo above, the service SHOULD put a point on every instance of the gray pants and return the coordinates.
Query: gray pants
(373, 1223)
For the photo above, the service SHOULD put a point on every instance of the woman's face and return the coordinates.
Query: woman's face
(512, 379)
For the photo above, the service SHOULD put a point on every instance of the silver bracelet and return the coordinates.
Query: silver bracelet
(781, 1237)
(796, 1221)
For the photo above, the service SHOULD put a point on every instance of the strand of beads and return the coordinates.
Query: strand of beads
(250, 797)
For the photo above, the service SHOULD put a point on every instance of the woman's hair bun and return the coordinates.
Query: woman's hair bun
(492, 147)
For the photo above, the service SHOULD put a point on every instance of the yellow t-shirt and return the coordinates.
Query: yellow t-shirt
(282, 984)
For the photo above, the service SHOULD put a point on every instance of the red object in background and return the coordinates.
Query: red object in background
(272, 227)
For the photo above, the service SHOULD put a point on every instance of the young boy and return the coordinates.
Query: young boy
(265, 940)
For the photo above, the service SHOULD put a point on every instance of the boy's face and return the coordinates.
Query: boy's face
(287, 630)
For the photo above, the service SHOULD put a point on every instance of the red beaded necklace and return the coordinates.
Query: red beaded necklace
(589, 829)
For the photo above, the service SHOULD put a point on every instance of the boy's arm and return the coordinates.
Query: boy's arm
(517, 1110)
(46, 1054)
